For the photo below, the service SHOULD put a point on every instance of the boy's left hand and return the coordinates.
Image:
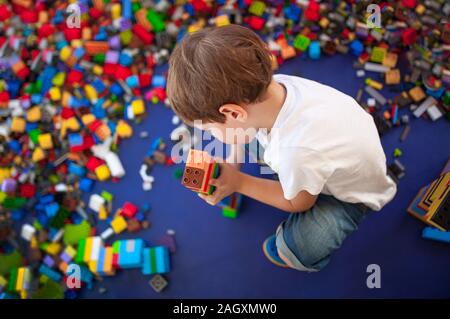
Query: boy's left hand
(225, 184)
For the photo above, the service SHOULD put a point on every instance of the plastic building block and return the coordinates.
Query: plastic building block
(52, 274)
(257, 8)
(27, 232)
(9, 261)
(105, 267)
(74, 233)
(49, 290)
(18, 125)
(376, 95)
(392, 76)
(97, 244)
(102, 172)
(130, 253)
(374, 84)
(155, 20)
(314, 50)
(390, 60)
(375, 67)
(378, 54)
(301, 42)
(155, 260)
(86, 184)
(356, 47)
(436, 234)
(119, 224)
(200, 168)
(230, 205)
(138, 107)
(434, 113)
(430, 101)
(107, 233)
(128, 210)
(96, 202)
(123, 129)
(158, 283)
(168, 240)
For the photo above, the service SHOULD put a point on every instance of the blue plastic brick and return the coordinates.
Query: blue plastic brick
(15, 146)
(125, 59)
(132, 81)
(155, 260)
(75, 139)
(139, 216)
(314, 50)
(86, 275)
(77, 169)
(98, 85)
(356, 47)
(158, 81)
(436, 234)
(51, 209)
(100, 261)
(50, 273)
(292, 12)
(145, 208)
(130, 253)
(116, 89)
(86, 184)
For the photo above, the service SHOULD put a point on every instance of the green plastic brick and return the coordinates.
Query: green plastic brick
(74, 233)
(107, 196)
(155, 20)
(14, 202)
(229, 212)
(2, 196)
(34, 134)
(301, 42)
(257, 8)
(99, 58)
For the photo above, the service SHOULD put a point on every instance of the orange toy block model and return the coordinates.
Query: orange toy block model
(200, 168)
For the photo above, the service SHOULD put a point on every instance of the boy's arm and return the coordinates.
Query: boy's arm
(266, 191)
(270, 192)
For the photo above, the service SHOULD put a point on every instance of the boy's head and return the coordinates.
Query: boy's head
(215, 74)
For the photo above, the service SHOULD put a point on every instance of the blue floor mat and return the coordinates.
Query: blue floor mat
(218, 257)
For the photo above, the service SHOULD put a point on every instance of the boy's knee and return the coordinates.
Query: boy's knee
(292, 256)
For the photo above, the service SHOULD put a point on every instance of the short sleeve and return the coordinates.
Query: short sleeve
(302, 169)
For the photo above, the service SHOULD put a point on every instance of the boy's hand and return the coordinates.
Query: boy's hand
(225, 184)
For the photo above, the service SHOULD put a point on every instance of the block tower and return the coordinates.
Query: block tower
(200, 168)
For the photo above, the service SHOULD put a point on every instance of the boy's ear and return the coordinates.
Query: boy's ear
(234, 112)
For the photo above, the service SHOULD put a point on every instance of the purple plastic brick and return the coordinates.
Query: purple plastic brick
(49, 261)
(66, 258)
(114, 42)
(112, 57)
(125, 25)
(9, 185)
(169, 242)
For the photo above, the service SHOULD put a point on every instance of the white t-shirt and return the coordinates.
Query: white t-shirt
(322, 141)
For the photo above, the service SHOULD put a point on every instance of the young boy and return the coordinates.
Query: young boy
(323, 146)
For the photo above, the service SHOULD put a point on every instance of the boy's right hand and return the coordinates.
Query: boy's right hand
(227, 183)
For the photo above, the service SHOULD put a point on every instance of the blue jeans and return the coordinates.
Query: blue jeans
(309, 238)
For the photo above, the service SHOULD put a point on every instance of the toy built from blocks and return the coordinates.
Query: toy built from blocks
(200, 168)
(432, 206)
(230, 205)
